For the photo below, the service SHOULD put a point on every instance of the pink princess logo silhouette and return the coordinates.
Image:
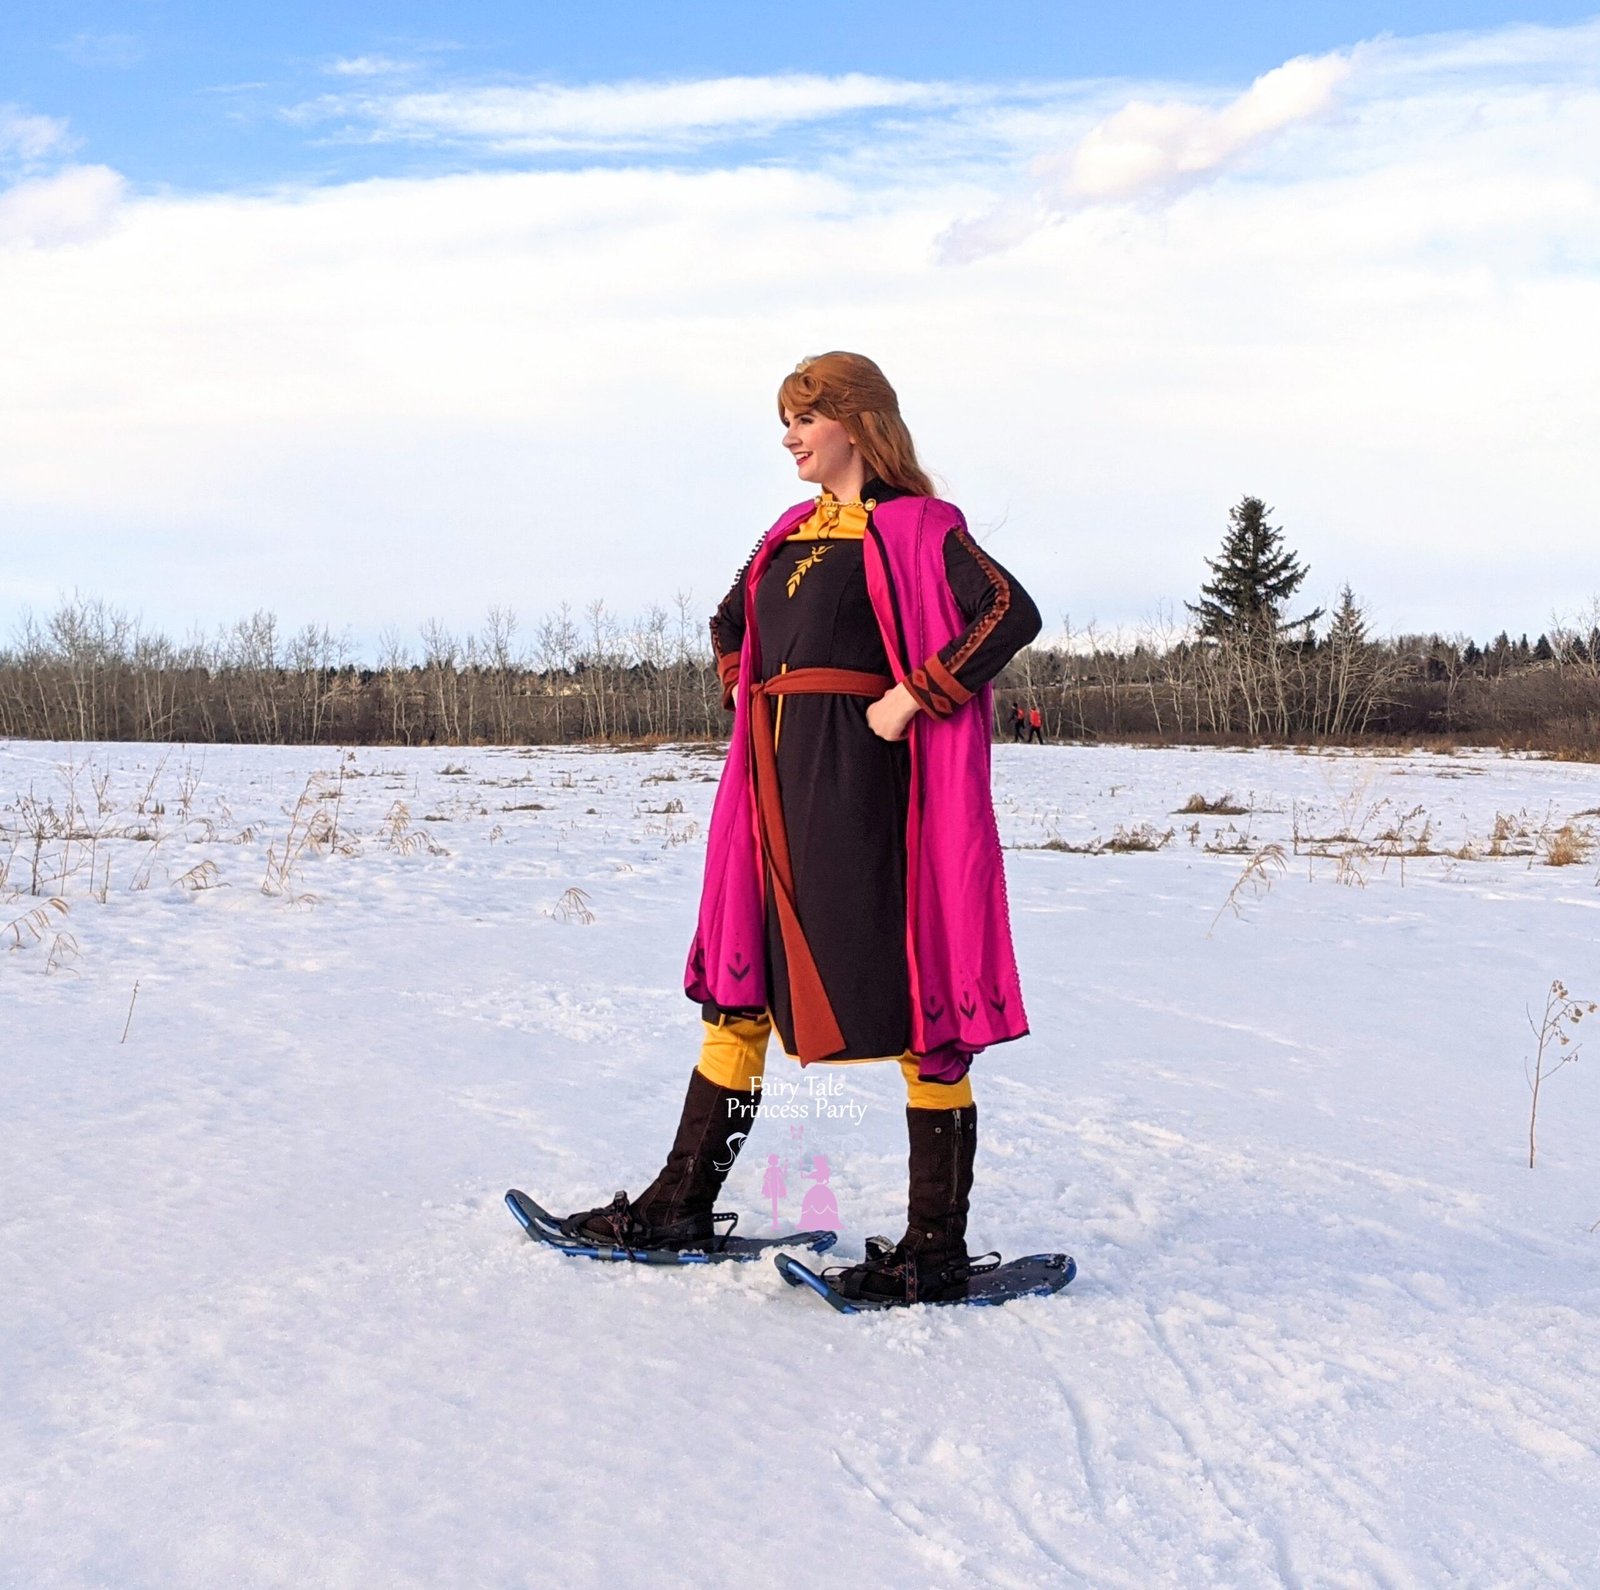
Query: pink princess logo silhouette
(775, 1185)
(819, 1209)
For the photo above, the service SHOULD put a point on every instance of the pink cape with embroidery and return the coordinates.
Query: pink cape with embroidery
(964, 988)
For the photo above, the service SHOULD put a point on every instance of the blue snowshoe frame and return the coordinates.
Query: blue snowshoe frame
(1037, 1275)
(723, 1248)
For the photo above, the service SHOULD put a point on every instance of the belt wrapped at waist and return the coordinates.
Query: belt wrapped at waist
(816, 1030)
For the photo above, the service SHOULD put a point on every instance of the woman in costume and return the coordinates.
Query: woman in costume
(854, 897)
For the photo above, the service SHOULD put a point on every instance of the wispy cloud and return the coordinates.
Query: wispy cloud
(26, 139)
(1158, 148)
(543, 118)
(119, 50)
(368, 66)
(1155, 149)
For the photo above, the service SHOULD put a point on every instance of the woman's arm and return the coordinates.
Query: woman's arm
(1001, 620)
(727, 634)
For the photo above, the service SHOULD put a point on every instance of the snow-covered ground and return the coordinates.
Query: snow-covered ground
(266, 1320)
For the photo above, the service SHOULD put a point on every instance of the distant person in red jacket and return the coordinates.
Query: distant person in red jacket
(1019, 722)
(1035, 726)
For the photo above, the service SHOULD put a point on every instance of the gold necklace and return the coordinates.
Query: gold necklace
(831, 509)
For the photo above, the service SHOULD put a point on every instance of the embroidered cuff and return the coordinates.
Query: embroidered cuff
(936, 688)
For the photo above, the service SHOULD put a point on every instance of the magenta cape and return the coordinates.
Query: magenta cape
(964, 989)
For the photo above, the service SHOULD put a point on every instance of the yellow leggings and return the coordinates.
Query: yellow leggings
(734, 1055)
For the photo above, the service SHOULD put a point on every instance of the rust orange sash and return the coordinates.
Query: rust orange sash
(816, 1031)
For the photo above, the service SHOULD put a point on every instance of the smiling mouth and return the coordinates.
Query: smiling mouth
(801, 457)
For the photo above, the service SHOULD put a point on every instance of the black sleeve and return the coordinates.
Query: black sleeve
(727, 632)
(1001, 620)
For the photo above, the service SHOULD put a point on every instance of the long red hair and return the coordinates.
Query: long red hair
(850, 388)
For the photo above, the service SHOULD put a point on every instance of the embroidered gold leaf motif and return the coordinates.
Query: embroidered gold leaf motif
(804, 567)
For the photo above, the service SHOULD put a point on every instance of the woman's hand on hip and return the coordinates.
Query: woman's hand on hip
(890, 716)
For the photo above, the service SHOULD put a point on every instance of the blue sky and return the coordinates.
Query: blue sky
(196, 95)
(373, 315)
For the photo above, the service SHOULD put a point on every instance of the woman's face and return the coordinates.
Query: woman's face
(821, 448)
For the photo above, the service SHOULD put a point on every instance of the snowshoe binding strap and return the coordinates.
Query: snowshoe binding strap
(606, 1226)
(892, 1275)
(623, 1224)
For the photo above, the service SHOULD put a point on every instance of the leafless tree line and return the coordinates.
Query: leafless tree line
(89, 672)
(1257, 687)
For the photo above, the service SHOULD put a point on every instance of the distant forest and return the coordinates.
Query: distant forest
(89, 673)
(1237, 670)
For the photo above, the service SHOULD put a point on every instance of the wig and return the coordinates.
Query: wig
(850, 388)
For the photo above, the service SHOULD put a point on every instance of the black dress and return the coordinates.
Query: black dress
(844, 790)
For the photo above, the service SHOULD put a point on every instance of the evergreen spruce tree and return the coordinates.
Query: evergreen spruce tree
(1349, 628)
(1251, 579)
(1543, 651)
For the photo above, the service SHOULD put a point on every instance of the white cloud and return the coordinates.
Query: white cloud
(1154, 149)
(376, 402)
(73, 205)
(29, 139)
(368, 66)
(617, 115)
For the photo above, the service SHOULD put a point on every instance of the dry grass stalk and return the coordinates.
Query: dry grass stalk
(1554, 1036)
(1144, 836)
(1357, 840)
(1260, 872)
(203, 875)
(34, 923)
(573, 906)
(1229, 841)
(1347, 869)
(1511, 835)
(398, 834)
(63, 949)
(1122, 841)
(148, 801)
(312, 831)
(1567, 846)
(1222, 806)
(146, 868)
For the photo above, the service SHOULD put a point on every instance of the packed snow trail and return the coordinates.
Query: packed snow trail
(267, 1321)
